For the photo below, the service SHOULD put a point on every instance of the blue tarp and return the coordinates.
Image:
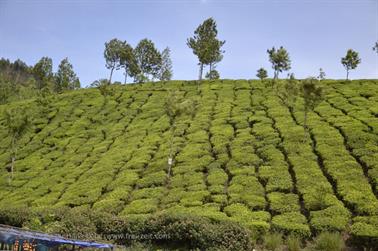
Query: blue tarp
(10, 234)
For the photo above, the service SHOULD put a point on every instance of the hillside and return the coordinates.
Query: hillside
(240, 156)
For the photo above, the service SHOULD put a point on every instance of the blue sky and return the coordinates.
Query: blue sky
(316, 33)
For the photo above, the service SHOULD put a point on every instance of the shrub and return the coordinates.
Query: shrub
(328, 241)
(217, 177)
(141, 206)
(282, 203)
(293, 243)
(333, 218)
(155, 192)
(255, 221)
(187, 230)
(15, 216)
(291, 223)
(364, 231)
(273, 241)
(153, 179)
(277, 178)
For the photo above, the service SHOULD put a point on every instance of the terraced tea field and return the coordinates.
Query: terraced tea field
(241, 156)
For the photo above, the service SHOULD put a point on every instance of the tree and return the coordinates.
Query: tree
(17, 124)
(42, 72)
(112, 55)
(174, 106)
(128, 61)
(166, 66)
(350, 61)
(321, 74)
(205, 45)
(66, 78)
(312, 96)
(217, 55)
(280, 60)
(149, 60)
(103, 87)
(213, 74)
(43, 99)
(262, 74)
(375, 47)
(5, 91)
(289, 92)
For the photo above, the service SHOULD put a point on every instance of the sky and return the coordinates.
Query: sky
(316, 33)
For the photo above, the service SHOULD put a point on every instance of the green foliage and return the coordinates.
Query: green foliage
(238, 156)
(255, 221)
(350, 61)
(15, 216)
(329, 241)
(65, 78)
(42, 71)
(333, 218)
(364, 231)
(191, 231)
(262, 74)
(273, 241)
(128, 61)
(280, 60)
(112, 55)
(148, 59)
(166, 72)
(291, 223)
(293, 243)
(205, 44)
(311, 93)
(141, 206)
(103, 86)
(213, 74)
(288, 93)
(283, 203)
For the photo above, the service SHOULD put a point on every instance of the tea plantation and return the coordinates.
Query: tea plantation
(242, 156)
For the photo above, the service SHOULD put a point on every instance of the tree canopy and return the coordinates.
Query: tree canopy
(128, 61)
(375, 47)
(205, 44)
(262, 74)
(350, 61)
(42, 71)
(166, 66)
(66, 78)
(280, 60)
(149, 60)
(112, 55)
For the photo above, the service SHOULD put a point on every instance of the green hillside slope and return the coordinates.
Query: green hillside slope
(241, 156)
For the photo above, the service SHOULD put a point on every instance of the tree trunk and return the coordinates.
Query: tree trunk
(125, 75)
(13, 158)
(211, 68)
(305, 125)
(347, 74)
(12, 165)
(170, 157)
(201, 70)
(111, 74)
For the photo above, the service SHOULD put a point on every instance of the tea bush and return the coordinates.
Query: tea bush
(242, 156)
